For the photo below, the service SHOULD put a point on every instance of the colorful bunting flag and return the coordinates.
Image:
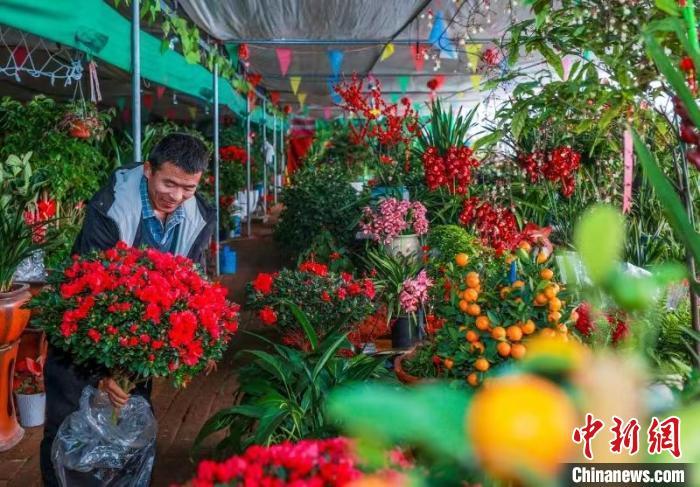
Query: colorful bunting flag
(126, 115)
(302, 98)
(232, 50)
(438, 29)
(628, 158)
(193, 112)
(476, 81)
(160, 91)
(294, 82)
(171, 114)
(121, 103)
(566, 63)
(473, 54)
(284, 57)
(403, 83)
(418, 59)
(147, 100)
(327, 113)
(19, 54)
(335, 58)
(387, 52)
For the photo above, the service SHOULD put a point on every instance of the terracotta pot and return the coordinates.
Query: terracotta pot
(33, 343)
(13, 319)
(79, 130)
(404, 376)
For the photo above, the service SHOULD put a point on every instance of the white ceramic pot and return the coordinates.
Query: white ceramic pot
(31, 409)
(405, 245)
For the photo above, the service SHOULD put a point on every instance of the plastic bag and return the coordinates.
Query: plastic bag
(95, 447)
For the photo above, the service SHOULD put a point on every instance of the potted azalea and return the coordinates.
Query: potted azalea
(397, 224)
(403, 286)
(29, 391)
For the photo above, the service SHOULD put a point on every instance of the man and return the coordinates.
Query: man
(154, 205)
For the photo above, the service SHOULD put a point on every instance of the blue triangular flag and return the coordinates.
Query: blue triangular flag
(447, 48)
(438, 29)
(331, 82)
(335, 58)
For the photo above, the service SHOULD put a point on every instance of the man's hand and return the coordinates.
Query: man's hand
(116, 394)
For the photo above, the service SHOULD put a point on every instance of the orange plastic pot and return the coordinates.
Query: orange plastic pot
(13, 319)
(402, 375)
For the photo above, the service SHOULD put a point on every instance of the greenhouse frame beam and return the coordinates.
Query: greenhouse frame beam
(348, 42)
(136, 79)
(215, 125)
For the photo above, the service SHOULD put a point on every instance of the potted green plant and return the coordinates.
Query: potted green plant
(403, 286)
(17, 189)
(29, 391)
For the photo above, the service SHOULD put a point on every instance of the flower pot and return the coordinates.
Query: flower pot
(404, 333)
(13, 320)
(31, 408)
(402, 375)
(79, 130)
(405, 245)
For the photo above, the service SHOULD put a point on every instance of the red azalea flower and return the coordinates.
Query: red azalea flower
(94, 335)
(268, 316)
(325, 296)
(263, 283)
(342, 294)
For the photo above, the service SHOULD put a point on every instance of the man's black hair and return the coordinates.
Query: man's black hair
(183, 150)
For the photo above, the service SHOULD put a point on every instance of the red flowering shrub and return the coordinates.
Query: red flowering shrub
(45, 210)
(139, 313)
(328, 298)
(374, 326)
(233, 153)
(321, 463)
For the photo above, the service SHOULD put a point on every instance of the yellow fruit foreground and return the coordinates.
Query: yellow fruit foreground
(521, 425)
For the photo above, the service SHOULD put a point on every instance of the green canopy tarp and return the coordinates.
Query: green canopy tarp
(99, 30)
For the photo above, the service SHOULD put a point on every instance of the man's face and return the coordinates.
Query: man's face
(169, 186)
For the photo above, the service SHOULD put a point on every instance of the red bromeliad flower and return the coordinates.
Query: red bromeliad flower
(140, 310)
(44, 211)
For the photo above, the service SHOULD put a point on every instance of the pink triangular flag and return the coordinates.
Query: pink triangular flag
(171, 114)
(418, 59)
(327, 112)
(284, 56)
(126, 114)
(148, 101)
(160, 91)
(19, 55)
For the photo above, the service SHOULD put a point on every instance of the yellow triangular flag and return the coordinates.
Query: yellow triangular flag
(302, 99)
(476, 81)
(473, 51)
(294, 81)
(387, 52)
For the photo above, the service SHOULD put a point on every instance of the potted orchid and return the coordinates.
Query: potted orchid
(29, 391)
(403, 287)
(397, 225)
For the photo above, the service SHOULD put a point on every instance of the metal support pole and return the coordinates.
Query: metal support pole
(274, 144)
(136, 79)
(264, 205)
(217, 197)
(248, 176)
(284, 155)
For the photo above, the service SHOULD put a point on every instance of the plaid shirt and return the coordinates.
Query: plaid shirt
(163, 234)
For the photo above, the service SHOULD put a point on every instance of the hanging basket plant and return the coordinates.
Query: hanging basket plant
(82, 121)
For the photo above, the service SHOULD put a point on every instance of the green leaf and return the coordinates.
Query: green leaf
(518, 123)
(599, 238)
(383, 413)
(276, 366)
(668, 6)
(674, 77)
(673, 208)
(487, 140)
(552, 59)
(303, 320)
(330, 352)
